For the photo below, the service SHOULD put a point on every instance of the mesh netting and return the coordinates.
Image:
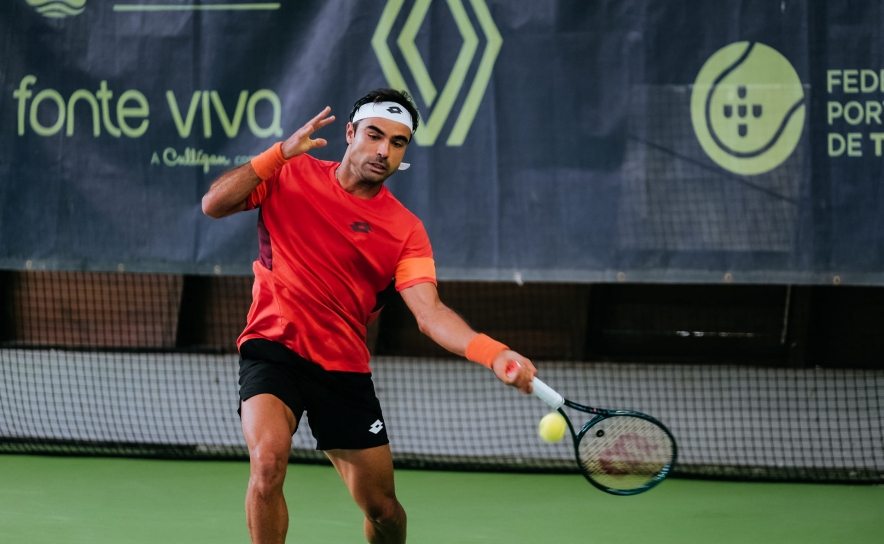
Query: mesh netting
(119, 364)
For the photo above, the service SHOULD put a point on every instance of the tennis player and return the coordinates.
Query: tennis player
(332, 239)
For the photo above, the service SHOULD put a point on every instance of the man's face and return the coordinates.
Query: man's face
(377, 147)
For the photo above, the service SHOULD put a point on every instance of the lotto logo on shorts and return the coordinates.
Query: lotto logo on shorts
(376, 427)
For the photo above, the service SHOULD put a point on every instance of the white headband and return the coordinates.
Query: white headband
(386, 110)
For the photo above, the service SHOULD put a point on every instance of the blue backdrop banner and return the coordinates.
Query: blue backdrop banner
(603, 140)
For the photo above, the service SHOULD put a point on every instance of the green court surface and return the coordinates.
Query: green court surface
(97, 501)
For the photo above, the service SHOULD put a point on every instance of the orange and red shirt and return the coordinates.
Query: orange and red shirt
(325, 256)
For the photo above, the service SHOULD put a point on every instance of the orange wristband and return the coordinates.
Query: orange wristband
(483, 350)
(268, 162)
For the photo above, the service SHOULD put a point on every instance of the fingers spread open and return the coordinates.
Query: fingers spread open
(321, 114)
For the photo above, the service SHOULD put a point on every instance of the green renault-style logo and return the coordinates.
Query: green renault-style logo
(443, 102)
(747, 108)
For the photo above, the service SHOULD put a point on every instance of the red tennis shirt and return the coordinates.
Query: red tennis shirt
(325, 256)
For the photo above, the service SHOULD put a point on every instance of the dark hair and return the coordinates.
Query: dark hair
(390, 95)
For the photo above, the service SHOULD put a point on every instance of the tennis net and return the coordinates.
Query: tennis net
(142, 365)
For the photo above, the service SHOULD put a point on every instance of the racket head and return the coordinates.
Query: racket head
(625, 453)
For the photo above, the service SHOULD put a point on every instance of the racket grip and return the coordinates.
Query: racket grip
(547, 394)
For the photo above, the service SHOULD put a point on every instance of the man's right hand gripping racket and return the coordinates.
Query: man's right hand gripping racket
(619, 451)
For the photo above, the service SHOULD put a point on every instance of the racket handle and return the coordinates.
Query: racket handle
(547, 394)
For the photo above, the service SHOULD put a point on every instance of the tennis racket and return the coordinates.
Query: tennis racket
(618, 451)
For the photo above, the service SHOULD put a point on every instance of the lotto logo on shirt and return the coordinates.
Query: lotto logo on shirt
(360, 226)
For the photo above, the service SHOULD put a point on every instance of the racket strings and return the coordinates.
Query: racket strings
(625, 452)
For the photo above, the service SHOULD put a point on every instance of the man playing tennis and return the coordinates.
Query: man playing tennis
(331, 239)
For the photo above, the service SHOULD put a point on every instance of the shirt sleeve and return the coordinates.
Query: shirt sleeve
(264, 189)
(416, 263)
(257, 196)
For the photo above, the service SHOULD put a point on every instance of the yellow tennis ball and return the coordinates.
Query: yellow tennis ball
(552, 427)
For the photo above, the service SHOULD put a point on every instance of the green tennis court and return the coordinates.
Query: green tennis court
(98, 500)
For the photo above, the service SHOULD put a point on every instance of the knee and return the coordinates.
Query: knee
(267, 470)
(385, 512)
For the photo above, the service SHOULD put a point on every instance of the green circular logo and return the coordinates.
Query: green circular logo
(747, 108)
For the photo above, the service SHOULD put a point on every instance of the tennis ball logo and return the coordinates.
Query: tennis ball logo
(747, 108)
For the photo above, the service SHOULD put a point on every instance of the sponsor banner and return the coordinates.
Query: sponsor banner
(627, 140)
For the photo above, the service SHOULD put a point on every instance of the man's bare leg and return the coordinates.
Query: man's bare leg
(369, 477)
(268, 425)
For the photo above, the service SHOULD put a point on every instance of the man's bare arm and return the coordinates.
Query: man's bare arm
(451, 332)
(230, 192)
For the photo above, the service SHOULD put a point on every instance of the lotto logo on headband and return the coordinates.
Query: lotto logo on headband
(384, 110)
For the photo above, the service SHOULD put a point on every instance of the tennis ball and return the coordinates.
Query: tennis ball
(552, 427)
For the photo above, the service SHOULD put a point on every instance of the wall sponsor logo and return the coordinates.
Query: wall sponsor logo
(748, 108)
(194, 157)
(47, 113)
(58, 9)
(854, 108)
(441, 103)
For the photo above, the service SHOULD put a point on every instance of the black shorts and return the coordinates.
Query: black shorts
(343, 409)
